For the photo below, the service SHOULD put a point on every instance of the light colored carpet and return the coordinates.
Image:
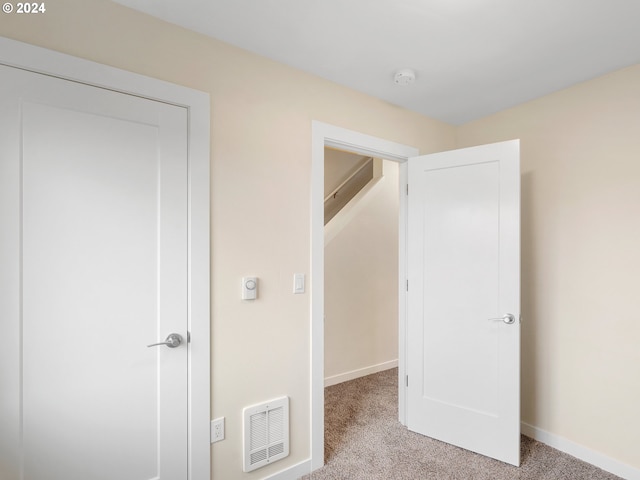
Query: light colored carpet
(364, 441)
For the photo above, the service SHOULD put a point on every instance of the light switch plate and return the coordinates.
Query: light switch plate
(298, 283)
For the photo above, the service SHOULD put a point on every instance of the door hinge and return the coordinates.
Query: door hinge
(406, 378)
(407, 189)
(407, 285)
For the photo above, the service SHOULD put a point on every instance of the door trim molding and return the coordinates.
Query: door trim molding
(40, 60)
(325, 135)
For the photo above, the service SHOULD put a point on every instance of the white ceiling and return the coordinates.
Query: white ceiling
(472, 57)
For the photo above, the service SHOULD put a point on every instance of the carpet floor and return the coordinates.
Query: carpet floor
(364, 441)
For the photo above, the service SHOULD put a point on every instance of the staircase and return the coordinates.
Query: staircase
(346, 175)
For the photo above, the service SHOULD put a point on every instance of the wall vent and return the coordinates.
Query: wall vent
(265, 433)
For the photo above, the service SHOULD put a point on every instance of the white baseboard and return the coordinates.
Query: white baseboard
(361, 372)
(292, 473)
(576, 450)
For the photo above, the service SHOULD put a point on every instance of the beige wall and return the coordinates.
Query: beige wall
(261, 159)
(580, 259)
(361, 283)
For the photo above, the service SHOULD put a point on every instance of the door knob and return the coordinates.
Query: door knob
(507, 318)
(172, 341)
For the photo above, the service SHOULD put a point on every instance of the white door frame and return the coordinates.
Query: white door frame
(40, 60)
(325, 135)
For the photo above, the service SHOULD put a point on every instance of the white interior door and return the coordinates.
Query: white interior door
(93, 209)
(463, 348)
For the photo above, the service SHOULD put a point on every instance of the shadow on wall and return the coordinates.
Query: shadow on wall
(530, 338)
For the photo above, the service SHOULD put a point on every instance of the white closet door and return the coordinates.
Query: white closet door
(93, 209)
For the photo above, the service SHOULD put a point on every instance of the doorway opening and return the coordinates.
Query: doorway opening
(361, 297)
(361, 265)
(324, 135)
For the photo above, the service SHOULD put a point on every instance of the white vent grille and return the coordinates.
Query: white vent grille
(266, 433)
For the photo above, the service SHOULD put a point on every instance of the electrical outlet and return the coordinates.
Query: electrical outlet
(217, 430)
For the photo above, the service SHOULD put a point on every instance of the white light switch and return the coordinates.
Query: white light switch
(298, 283)
(249, 288)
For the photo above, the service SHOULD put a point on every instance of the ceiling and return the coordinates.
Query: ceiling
(471, 57)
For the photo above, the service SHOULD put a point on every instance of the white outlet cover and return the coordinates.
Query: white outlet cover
(217, 430)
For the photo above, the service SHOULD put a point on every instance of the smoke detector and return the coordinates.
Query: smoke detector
(404, 77)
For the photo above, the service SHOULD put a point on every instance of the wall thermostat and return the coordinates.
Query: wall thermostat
(249, 288)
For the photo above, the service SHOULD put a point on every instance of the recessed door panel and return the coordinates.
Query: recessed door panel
(461, 252)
